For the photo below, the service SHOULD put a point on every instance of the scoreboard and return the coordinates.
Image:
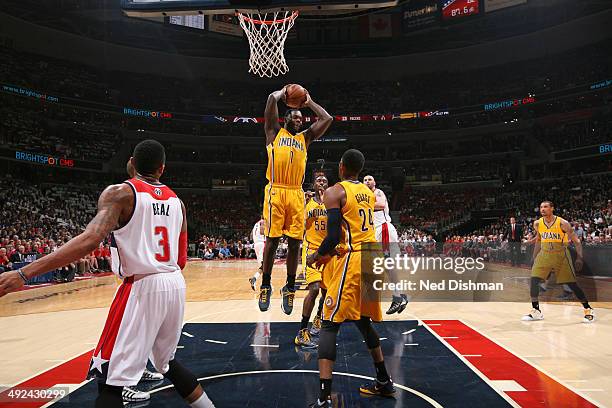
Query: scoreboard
(458, 9)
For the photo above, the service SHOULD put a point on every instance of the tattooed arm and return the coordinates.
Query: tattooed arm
(114, 209)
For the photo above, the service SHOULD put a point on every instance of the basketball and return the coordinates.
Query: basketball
(295, 95)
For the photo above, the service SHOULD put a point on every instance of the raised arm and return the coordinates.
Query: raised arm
(115, 201)
(571, 235)
(324, 120)
(271, 125)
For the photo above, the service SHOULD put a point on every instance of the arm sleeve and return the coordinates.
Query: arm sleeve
(182, 258)
(333, 232)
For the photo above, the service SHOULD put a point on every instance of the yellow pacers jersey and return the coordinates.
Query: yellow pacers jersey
(552, 237)
(287, 159)
(357, 216)
(315, 224)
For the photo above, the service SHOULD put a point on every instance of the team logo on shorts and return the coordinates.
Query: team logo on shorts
(329, 302)
(157, 191)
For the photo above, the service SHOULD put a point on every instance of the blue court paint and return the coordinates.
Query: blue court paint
(430, 369)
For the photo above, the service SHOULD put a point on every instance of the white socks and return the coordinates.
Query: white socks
(203, 402)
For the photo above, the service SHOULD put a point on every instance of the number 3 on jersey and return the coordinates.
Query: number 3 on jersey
(163, 243)
(362, 214)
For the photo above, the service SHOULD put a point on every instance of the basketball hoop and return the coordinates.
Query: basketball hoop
(267, 33)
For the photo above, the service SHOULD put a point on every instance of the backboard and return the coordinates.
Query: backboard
(150, 8)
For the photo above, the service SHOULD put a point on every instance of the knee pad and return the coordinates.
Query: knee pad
(367, 331)
(327, 340)
(184, 381)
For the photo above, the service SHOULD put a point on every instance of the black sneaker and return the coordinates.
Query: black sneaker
(303, 339)
(377, 388)
(319, 404)
(398, 304)
(252, 282)
(288, 296)
(264, 297)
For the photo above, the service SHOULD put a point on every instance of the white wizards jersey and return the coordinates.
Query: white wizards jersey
(257, 235)
(149, 242)
(381, 216)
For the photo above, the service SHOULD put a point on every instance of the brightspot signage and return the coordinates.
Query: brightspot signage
(147, 113)
(44, 159)
(510, 103)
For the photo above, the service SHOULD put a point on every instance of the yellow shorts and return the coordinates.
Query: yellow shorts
(312, 274)
(345, 298)
(283, 212)
(559, 262)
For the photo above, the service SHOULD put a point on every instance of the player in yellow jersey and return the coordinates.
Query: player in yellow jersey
(283, 207)
(551, 254)
(315, 216)
(350, 235)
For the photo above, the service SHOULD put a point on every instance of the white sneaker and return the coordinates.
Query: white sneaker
(131, 394)
(535, 314)
(589, 316)
(151, 376)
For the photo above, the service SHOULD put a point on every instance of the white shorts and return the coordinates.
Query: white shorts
(259, 249)
(144, 321)
(394, 248)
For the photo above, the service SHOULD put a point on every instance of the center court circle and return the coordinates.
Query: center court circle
(419, 394)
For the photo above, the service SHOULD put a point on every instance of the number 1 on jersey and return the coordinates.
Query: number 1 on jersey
(163, 243)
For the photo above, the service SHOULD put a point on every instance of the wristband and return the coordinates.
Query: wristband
(25, 280)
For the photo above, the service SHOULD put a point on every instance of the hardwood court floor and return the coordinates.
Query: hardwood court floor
(43, 327)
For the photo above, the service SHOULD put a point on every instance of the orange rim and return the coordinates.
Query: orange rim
(293, 15)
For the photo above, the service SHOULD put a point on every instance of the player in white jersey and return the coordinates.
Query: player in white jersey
(259, 242)
(387, 235)
(148, 228)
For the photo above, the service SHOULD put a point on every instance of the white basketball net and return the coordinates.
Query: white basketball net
(267, 33)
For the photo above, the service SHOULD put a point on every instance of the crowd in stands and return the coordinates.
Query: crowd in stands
(432, 91)
(35, 220)
(583, 201)
(28, 125)
(592, 131)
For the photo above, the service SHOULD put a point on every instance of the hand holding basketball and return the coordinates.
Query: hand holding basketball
(296, 96)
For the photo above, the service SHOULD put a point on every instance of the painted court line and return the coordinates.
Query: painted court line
(187, 334)
(411, 344)
(216, 341)
(472, 355)
(265, 345)
(508, 385)
(450, 337)
(409, 331)
(499, 363)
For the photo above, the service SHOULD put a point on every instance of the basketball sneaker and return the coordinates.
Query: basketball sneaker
(252, 282)
(589, 316)
(398, 304)
(303, 339)
(288, 297)
(535, 314)
(377, 388)
(315, 329)
(264, 297)
(132, 394)
(321, 404)
(151, 376)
